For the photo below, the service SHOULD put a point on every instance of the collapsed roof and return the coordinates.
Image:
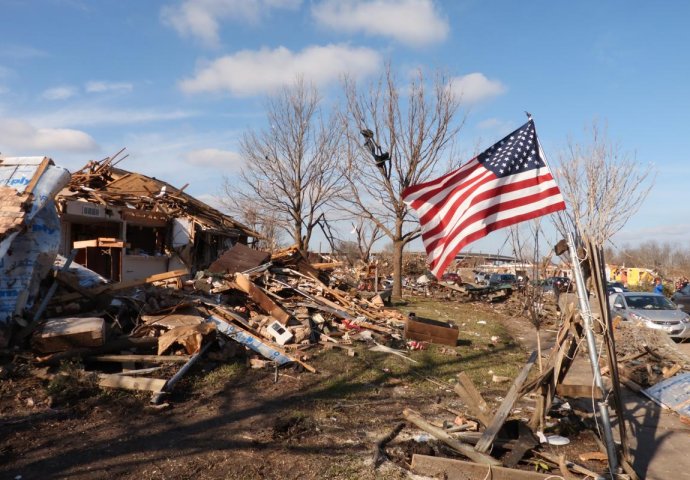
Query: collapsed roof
(102, 183)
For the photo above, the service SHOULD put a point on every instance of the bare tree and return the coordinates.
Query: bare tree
(368, 233)
(603, 186)
(291, 168)
(416, 125)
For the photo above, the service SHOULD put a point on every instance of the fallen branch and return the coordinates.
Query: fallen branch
(379, 453)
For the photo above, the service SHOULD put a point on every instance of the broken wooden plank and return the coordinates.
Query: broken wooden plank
(452, 469)
(114, 345)
(131, 383)
(506, 406)
(124, 358)
(60, 334)
(260, 297)
(579, 391)
(472, 399)
(439, 433)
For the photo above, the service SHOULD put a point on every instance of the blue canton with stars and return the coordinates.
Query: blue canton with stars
(516, 153)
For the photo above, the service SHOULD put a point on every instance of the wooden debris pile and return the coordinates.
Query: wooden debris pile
(270, 308)
(498, 443)
(502, 442)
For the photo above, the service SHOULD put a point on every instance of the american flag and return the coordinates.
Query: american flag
(506, 184)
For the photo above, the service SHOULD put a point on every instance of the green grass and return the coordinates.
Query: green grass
(368, 373)
(217, 378)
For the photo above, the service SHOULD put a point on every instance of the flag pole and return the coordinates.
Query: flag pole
(586, 314)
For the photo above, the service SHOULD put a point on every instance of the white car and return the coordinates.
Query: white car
(652, 310)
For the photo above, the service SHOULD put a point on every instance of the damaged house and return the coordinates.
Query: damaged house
(127, 226)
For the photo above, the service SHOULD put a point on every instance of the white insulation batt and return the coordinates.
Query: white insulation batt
(26, 255)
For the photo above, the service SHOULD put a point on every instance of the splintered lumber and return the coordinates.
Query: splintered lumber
(504, 410)
(452, 469)
(259, 297)
(472, 399)
(479, 457)
(127, 358)
(131, 383)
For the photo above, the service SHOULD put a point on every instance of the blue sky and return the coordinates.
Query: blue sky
(177, 82)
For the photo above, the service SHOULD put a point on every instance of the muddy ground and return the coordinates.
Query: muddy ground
(227, 421)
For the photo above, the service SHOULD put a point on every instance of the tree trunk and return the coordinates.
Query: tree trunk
(398, 246)
(297, 235)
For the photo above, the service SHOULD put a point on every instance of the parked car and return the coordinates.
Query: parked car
(555, 284)
(653, 310)
(502, 279)
(615, 287)
(682, 298)
(481, 278)
(451, 278)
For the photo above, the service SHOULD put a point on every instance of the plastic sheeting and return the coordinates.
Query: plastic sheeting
(26, 256)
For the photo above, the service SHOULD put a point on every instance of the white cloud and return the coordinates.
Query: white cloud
(495, 124)
(59, 93)
(101, 87)
(201, 18)
(213, 157)
(253, 72)
(22, 137)
(413, 22)
(90, 116)
(475, 87)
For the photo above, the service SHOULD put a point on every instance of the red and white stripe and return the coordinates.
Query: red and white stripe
(470, 202)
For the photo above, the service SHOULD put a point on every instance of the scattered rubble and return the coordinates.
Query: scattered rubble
(276, 310)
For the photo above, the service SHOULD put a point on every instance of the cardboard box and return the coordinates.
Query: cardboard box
(431, 331)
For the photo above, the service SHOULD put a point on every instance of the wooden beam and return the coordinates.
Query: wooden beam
(451, 469)
(504, 410)
(479, 457)
(131, 383)
(579, 391)
(472, 399)
(140, 358)
(260, 297)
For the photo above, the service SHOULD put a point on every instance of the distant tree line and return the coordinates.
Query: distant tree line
(669, 259)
